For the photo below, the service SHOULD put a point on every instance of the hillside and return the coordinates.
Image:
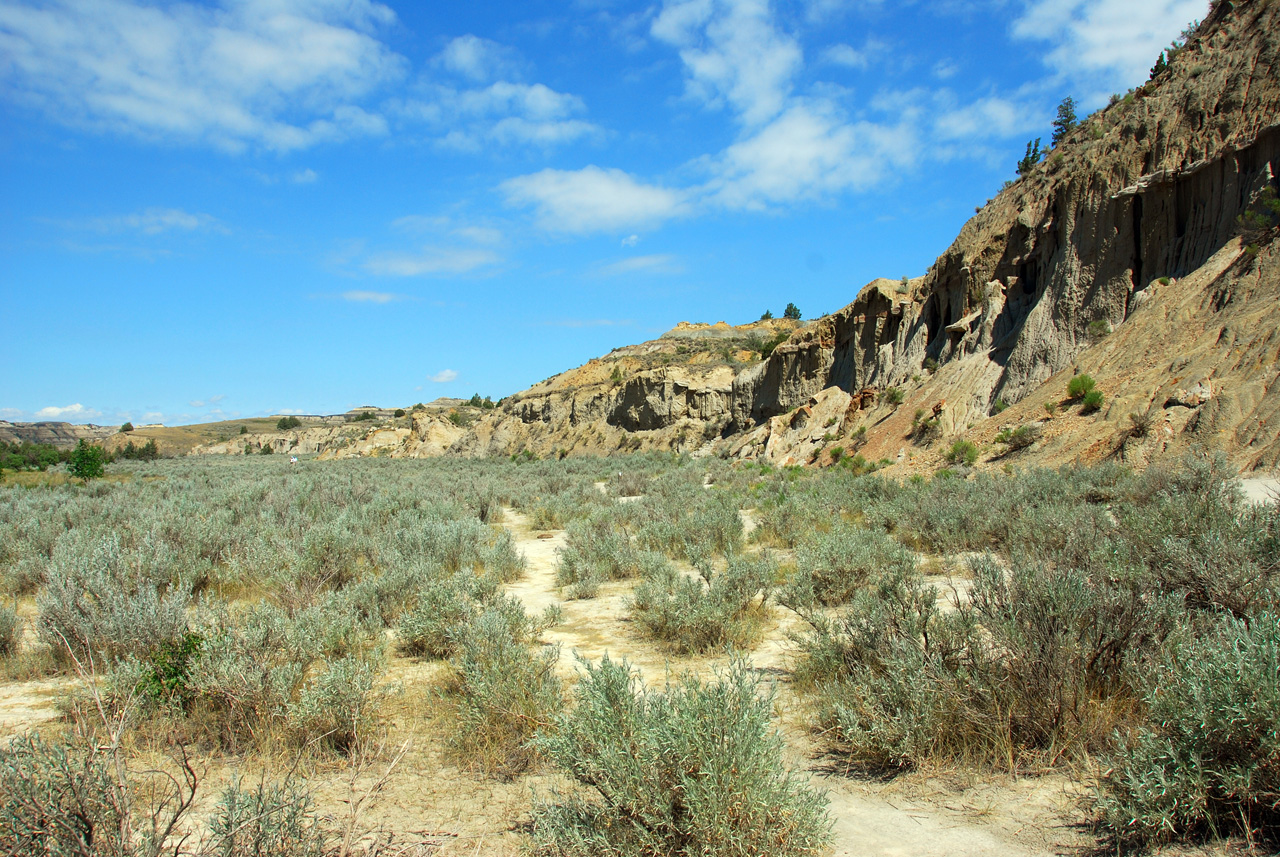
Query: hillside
(1121, 255)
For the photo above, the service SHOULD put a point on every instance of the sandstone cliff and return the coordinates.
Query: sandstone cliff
(61, 435)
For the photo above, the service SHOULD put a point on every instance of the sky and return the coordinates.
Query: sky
(240, 208)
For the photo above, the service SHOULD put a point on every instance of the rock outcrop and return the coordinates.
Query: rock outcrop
(61, 435)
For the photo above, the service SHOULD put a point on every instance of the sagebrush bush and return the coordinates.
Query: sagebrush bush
(60, 800)
(598, 549)
(442, 605)
(696, 614)
(695, 769)
(962, 452)
(505, 691)
(10, 632)
(265, 820)
(831, 566)
(105, 607)
(1207, 757)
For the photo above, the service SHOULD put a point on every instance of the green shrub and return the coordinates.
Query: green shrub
(892, 395)
(1099, 329)
(1020, 437)
(1208, 757)
(1091, 402)
(442, 606)
(127, 427)
(694, 769)
(836, 453)
(286, 423)
(962, 452)
(399, 412)
(1080, 386)
(87, 461)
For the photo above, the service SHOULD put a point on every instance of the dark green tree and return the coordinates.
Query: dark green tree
(792, 312)
(766, 315)
(1031, 158)
(475, 401)
(1160, 66)
(127, 427)
(1066, 121)
(286, 423)
(87, 461)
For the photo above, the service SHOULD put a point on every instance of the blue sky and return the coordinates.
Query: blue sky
(227, 209)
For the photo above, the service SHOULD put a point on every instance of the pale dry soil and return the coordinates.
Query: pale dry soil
(436, 805)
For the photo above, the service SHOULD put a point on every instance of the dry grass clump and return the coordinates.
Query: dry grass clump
(693, 769)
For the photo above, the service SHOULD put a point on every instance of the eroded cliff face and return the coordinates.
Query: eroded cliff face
(1147, 191)
(61, 435)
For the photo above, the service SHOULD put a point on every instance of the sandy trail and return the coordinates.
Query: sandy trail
(29, 703)
(1022, 818)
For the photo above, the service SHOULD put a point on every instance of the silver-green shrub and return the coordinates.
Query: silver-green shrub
(696, 769)
(695, 614)
(1207, 758)
(831, 566)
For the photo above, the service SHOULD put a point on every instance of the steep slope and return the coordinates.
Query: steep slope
(1146, 191)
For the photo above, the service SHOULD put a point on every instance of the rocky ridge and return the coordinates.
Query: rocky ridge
(1120, 256)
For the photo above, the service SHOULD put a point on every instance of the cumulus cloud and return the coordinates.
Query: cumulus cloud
(1104, 42)
(478, 59)
(277, 74)
(592, 199)
(733, 53)
(444, 376)
(69, 412)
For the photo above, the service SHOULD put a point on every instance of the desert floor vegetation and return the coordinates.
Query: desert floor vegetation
(635, 654)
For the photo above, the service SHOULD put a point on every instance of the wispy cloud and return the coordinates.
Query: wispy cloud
(277, 75)
(631, 240)
(444, 376)
(431, 261)
(1103, 42)
(204, 403)
(505, 113)
(150, 221)
(653, 264)
(358, 296)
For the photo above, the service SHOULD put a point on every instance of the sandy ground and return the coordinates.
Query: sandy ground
(1261, 489)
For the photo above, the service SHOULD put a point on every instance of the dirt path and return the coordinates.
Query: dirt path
(29, 703)
(922, 818)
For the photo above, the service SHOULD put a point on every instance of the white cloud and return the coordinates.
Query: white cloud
(1107, 43)
(807, 153)
(76, 411)
(987, 117)
(306, 176)
(478, 59)
(732, 53)
(204, 403)
(358, 296)
(592, 199)
(504, 113)
(846, 56)
(654, 264)
(444, 376)
(431, 261)
(279, 74)
(631, 241)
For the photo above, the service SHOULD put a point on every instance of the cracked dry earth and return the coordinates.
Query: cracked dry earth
(437, 807)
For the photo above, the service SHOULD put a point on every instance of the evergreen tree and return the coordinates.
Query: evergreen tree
(1031, 158)
(792, 312)
(1066, 121)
